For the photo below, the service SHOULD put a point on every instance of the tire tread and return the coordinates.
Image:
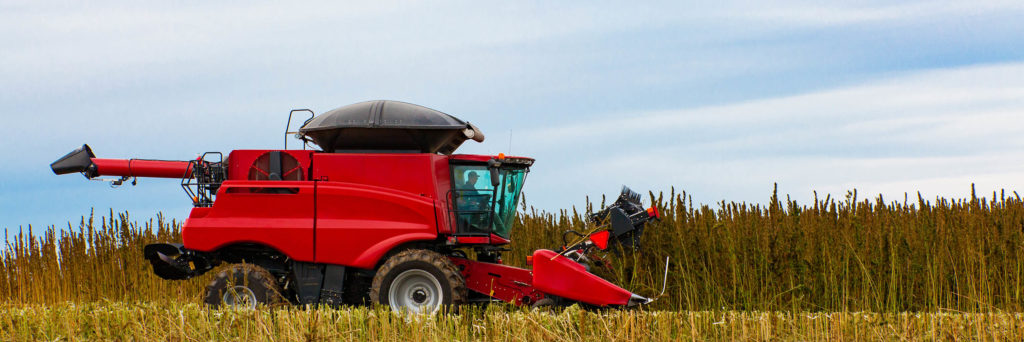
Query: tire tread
(248, 272)
(451, 273)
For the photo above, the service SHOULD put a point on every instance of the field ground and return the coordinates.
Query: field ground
(191, 322)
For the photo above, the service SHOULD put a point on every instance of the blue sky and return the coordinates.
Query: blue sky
(721, 99)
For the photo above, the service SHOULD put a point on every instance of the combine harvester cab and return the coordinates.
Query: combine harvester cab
(383, 212)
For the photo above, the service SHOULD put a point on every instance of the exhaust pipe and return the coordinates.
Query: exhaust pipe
(79, 160)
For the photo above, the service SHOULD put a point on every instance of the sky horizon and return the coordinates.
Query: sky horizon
(721, 100)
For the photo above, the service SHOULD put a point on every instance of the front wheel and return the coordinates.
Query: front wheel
(418, 281)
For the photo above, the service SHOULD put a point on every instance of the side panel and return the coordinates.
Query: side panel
(278, 214)
(405, 172)
(421, 174)
(357, 224)
(241, 161)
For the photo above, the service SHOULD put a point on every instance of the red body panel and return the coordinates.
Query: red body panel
(369, 203)
(510, 284)
(277, 214)
(141, 168)
(408, 172)
(478, 240)
(357, 224)
(351, 209)
(443, 181)
(240, 161)
(565, 278)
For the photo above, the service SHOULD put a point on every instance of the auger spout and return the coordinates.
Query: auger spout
(83, 160)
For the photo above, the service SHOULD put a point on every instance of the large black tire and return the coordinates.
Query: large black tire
(243, 286)
(418, 281)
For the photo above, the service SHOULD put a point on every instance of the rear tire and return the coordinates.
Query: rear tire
(243, 286)
(418, 281)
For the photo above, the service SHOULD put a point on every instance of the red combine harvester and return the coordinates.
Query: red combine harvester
(384, 212)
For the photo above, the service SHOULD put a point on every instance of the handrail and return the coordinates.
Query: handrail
(289, 125)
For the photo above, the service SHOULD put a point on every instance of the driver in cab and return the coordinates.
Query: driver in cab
(469, 196)
(469, 185)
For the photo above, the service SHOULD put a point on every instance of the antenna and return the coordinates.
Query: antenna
(510, 142)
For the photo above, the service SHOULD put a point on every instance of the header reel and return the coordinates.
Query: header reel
(621, 223)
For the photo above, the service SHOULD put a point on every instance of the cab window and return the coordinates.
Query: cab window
(473, 194)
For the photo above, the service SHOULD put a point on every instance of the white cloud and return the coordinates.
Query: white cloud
(835, 13)
(168, 80)
(992, 94)
(936, 131)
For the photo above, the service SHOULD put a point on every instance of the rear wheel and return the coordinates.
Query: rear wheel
(418, 281)
(243, 286)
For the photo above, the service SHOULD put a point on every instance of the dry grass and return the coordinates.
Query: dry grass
(832, 255)
(97, 261)
(119, 321)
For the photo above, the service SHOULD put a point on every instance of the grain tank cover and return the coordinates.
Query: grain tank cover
(389, 126)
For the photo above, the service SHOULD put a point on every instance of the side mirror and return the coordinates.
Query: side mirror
(493, 166)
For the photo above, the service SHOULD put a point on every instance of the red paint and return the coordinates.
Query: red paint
(250, 212)
(443, 184)
(565, 278)
(482, 157)
(560, 277)
(412, 173)
(141, 168)
(653, 212)
(497, 240)
(479, 240)
(471, 240)
(240, 161)
(357, 224)
(507, 283)
(351, 209)
(600, 239)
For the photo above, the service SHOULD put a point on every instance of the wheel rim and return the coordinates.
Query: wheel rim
(415, 291)
(239, 297)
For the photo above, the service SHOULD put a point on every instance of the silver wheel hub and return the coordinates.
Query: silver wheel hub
(239, 297)
(415, 291)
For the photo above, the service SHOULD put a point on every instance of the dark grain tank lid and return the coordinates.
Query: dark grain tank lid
(389, 125)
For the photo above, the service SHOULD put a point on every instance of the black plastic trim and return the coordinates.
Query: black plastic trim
(79, 160)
